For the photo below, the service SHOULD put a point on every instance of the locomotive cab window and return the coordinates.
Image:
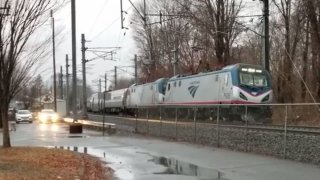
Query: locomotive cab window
(179, 83)
(175, 84)
(168, 86)
(253, 79)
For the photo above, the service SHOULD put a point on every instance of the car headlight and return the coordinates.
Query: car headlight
(55, 118)
(43, 118)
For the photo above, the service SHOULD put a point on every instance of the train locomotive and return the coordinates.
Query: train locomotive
(234, 84)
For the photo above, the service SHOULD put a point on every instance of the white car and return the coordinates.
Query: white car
(48, 115)
(23, 116)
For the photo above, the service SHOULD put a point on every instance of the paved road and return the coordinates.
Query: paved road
(140, 158)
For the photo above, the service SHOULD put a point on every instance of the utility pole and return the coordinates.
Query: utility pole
(84, 83)
(67, 84)
(104, 102)
(100, 89)
(143, 15)
(54, 63)
(74, 60)
(175, 56)
(115, 78)
(40, 96)
(121, 16)
(136, 69)
(266, 35)
(105, 82)
(61, 83)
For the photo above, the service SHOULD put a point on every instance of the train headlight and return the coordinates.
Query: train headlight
(242, 96)
(266, 98)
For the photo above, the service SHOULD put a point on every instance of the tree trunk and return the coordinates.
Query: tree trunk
(0, 118)
(4, 116)
(305, 65)
(315, 64)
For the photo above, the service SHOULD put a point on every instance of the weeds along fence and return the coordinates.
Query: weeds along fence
(290, 131)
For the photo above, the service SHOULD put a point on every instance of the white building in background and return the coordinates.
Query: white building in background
(17, 105)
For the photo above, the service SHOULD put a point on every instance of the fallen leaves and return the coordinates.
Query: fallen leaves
(24, 163)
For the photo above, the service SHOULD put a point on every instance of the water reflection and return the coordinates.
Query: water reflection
(173, 166)
(49, 127)
(183, 168)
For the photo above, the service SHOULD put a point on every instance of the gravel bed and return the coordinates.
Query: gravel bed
(295, 146)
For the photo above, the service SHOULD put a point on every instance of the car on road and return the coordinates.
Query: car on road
(23, 116)
(48, 116)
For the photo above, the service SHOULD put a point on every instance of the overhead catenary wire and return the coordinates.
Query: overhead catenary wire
(98, 15)
(109, 26)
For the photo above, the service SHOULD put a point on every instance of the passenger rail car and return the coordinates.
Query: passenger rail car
(94, 103)
(113, 103)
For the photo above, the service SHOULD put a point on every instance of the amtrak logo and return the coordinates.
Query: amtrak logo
(254, 93)
(193, 90)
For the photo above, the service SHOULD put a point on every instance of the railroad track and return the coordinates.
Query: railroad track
(265, 127)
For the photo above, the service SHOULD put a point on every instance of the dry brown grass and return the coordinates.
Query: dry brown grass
(23, 163)
(297, 115)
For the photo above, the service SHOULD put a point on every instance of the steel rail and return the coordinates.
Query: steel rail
(280, 128)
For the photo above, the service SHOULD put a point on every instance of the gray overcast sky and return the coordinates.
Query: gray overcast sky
(99, 20)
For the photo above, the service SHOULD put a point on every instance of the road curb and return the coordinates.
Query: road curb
(109, 128)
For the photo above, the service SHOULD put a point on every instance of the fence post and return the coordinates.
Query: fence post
(246, 121)
(195, 123)
(136, 114)
(160, 122)
(218, 126)
(285, 132)
(176, 123)
(103, 125)
(148, 121)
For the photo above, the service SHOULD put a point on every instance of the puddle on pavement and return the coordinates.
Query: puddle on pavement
(76, 136)
(177, 167)
(173, 166)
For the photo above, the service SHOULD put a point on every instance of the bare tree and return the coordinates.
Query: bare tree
(312, 8)
(18, 56)
(289, 28)
(217, 19)
(30, 94)
(188, 36)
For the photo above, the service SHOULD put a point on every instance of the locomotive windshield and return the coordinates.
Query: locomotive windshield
(162, 85)
(253, 77)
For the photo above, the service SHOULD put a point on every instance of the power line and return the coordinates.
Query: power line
(98, 16)
(105, 29)
(109, 26)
